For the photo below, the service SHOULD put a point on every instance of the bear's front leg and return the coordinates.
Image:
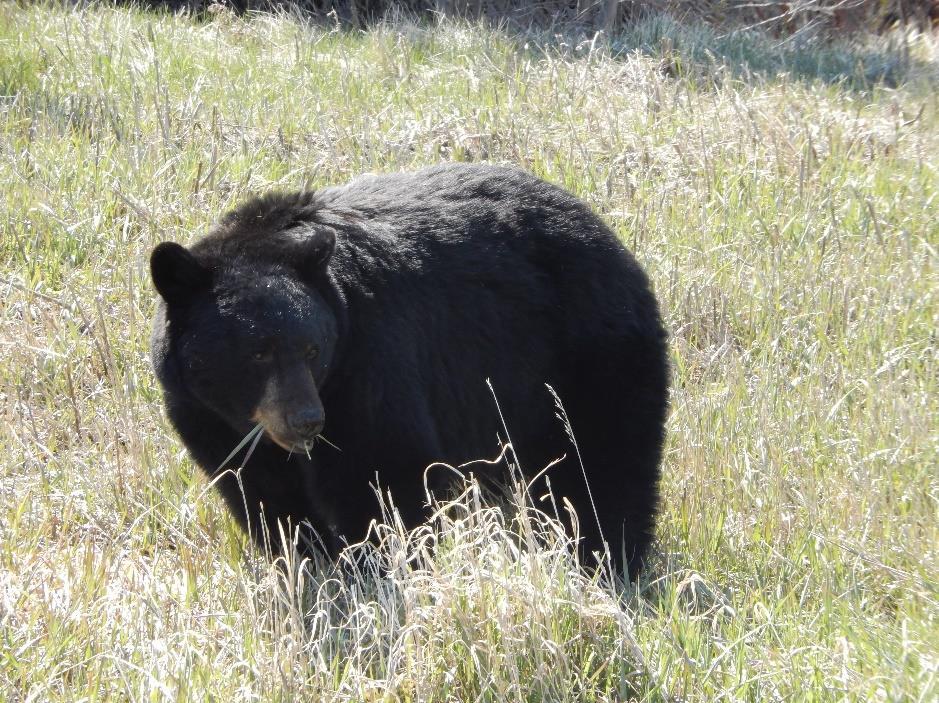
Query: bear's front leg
(271, 492)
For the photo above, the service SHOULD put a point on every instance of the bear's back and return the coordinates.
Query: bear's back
(482, 202)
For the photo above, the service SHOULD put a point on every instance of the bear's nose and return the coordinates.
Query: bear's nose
(307, 423)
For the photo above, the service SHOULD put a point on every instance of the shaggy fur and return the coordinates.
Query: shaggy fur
(380, 308)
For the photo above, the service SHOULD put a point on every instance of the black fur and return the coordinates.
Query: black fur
(411, 290)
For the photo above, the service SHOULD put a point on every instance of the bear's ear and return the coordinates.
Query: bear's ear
(176, 273)
(317, 248)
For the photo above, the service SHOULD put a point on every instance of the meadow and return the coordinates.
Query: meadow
(782, 195)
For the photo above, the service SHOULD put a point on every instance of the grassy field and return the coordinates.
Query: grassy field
(785, 201)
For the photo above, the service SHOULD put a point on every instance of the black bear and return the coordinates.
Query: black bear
(375, 312)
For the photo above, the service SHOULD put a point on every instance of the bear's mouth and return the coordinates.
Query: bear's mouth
(275, 430)
(284, 440)
(303, 446)
(297, 447)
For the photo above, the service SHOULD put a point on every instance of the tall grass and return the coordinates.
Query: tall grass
(784, 203)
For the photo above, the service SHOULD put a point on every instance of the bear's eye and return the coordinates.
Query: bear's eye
(261, 355)
(312, 351)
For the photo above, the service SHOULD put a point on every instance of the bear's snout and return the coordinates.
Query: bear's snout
(307, 422)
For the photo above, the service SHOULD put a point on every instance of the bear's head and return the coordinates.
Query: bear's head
(245, 331)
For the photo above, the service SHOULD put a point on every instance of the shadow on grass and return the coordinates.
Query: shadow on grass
(701, 51)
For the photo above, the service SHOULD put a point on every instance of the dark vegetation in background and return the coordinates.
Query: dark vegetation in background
(776, 16)
(704, 39)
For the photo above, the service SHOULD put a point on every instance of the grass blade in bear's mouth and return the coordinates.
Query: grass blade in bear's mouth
(254, 434)
(307, 446)
(323, 439)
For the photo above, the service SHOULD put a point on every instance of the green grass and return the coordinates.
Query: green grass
(784, 201)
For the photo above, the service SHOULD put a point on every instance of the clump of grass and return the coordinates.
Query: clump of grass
(474, 604)
(785, 217)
